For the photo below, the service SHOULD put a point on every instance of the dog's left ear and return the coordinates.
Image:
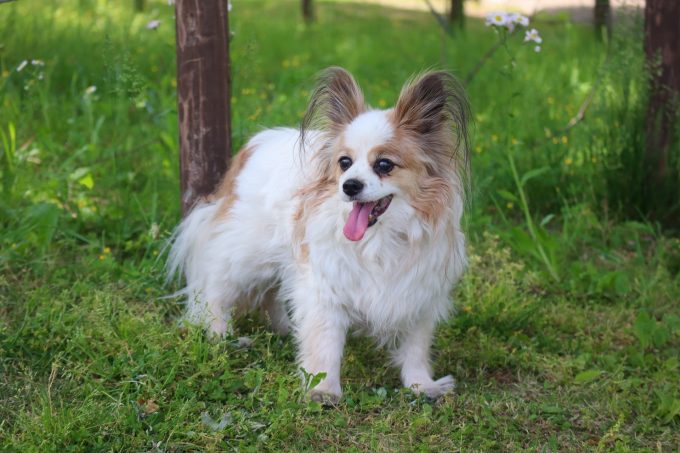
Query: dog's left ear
(432, 104)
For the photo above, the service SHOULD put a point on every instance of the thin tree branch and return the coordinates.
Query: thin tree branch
(486, 57)
(441, 20)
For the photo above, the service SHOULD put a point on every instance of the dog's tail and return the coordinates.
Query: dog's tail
(188, 245)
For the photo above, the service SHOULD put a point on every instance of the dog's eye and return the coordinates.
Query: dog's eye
(345, 162)
(383, 166)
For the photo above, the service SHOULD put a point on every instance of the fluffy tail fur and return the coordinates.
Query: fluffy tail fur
(187, 253)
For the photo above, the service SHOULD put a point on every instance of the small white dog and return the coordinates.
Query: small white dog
(353, 224)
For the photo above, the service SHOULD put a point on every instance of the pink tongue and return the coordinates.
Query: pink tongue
(357, 222)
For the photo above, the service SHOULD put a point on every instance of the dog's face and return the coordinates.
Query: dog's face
(408, 153)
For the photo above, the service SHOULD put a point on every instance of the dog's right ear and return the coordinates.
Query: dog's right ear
(336, 101)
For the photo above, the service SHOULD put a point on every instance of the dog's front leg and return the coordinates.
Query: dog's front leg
(321, 330)
(413, 356)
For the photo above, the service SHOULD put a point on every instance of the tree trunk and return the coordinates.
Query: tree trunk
(457, 13)
(662, 36)
(203, 96)
(602, 17)
(307, 10)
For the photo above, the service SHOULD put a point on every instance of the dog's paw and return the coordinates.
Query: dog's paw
(435, 389)
(325, 398)
(218, 329)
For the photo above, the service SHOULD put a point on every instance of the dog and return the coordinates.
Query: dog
(350, 222)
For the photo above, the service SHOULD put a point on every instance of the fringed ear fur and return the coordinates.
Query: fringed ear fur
(336, 101)
(435, 109)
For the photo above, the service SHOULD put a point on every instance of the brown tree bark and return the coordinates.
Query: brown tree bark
(203, 96)
(307, 11)
(662, 49)
(457, 13)
(602, 18)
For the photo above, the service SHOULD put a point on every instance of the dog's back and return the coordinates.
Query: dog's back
(235, 244)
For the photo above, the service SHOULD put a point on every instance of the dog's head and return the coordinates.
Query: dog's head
(416, 152)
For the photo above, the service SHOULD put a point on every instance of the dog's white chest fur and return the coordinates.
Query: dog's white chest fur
(388, 280)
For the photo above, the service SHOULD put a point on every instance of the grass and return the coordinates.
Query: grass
(568, 327)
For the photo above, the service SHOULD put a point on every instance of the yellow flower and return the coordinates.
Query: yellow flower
(510, 205)
(382, 103)
(106, 250)
(101, 257)
(255, 115)
(565, 139)
(514, 141)
(467, 309)
(478, 149)
(568, 161)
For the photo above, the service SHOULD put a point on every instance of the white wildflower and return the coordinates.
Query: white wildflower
(532, 35)
(89, 91)
(153, 24)
(498, 19)
(516, 18)
(537, 49)
(37, 63)
(507, 20)
(511, 19)
(22, 65)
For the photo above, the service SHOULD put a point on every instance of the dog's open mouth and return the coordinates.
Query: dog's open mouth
(363, 216)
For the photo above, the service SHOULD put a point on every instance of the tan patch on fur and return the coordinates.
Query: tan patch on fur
(311, 197)
(226, 192)
(304, 252)
(428, 182)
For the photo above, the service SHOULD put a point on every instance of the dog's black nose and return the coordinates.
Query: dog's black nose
(352, 187)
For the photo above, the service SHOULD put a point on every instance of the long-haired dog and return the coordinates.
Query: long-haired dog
(353, 221)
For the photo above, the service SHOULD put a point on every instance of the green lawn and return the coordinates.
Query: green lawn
(567, 333)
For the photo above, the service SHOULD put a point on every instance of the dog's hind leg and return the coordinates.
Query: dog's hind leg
(213, 305)
(276, 313)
